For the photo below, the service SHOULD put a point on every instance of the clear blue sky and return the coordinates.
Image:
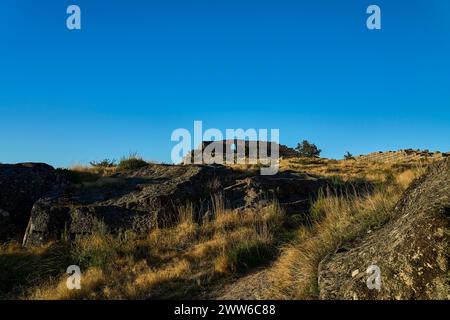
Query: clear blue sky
(140, 69)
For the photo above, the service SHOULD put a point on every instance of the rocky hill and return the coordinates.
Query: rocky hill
(408, 155)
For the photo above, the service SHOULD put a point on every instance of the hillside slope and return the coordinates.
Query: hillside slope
(412, 250)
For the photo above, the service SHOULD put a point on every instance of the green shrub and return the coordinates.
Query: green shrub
(133, 161)
(105, 163)
(348, 156)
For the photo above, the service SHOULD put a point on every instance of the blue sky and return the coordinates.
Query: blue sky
(140, 69)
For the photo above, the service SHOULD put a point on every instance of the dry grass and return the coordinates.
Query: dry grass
(94, 170)
(99, 173)
(336, 220)
(169, 262)
(354, 169)
(92, 280)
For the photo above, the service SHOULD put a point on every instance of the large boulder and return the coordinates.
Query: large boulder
(21, 185)
(137, 200)
(152, 196)
(411, 251)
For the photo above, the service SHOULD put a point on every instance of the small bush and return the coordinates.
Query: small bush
(105, 163)
(348, 156)
(133, 161)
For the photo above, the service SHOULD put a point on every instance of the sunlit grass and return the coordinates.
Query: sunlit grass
(335, 220)
(167, 262)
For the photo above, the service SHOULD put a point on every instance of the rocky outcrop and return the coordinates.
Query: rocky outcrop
(293, 191)
(411, 251)
(136, 200)
(237, 149)
(144, 198)
(21, 185)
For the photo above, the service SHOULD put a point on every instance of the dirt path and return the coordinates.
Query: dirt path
(249, 287)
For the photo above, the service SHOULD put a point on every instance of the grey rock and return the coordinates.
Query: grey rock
(138, 200)
(293, 191)
(21, 185)
(151, 196)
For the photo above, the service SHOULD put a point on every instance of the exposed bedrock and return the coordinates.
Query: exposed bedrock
(143, 198)
(21, 185)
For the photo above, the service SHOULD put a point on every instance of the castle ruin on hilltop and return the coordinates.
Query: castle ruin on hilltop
(237, 149)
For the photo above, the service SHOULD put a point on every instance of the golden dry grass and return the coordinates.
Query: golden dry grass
(93, 170)
(169, 262)
(372, 171)
(336, 219)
